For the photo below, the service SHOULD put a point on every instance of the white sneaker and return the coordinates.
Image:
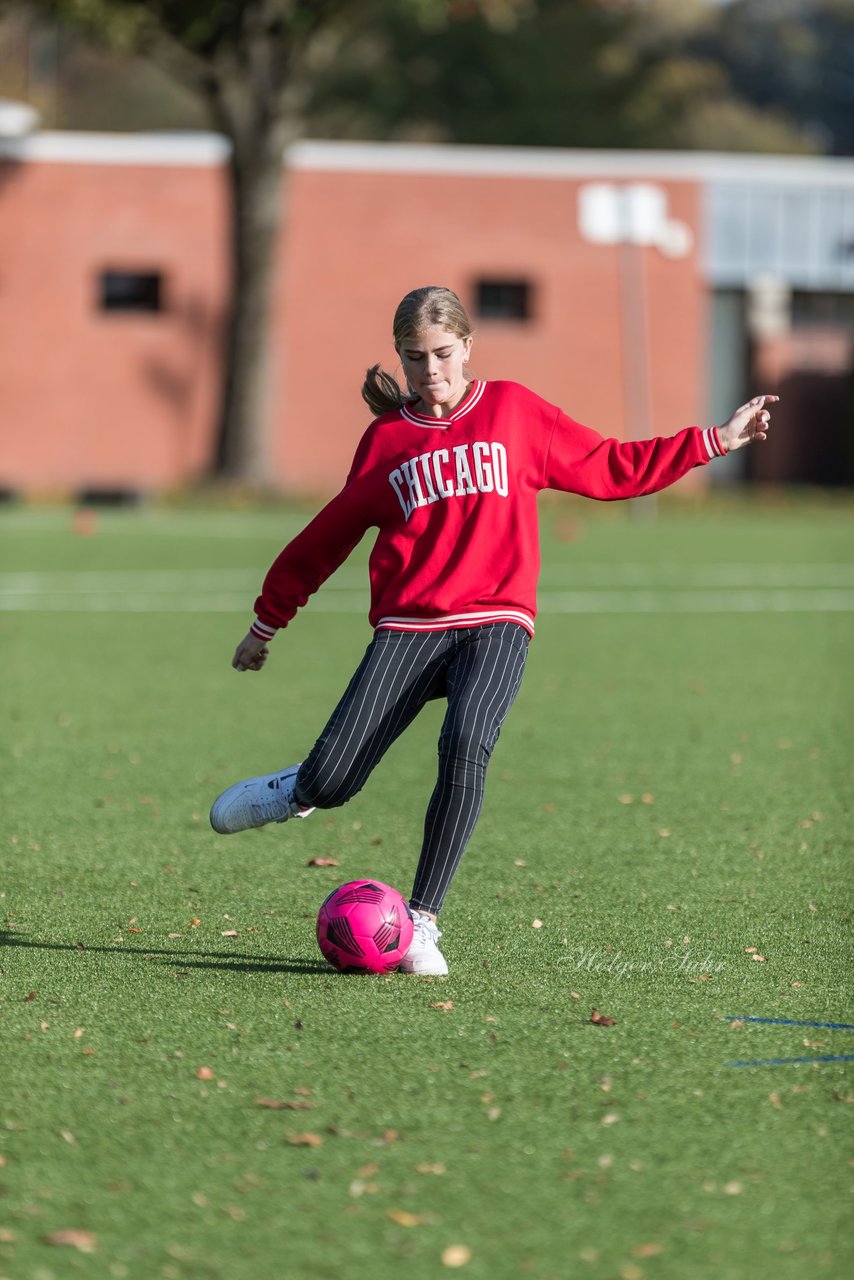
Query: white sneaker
(257, 801)
(424, 956)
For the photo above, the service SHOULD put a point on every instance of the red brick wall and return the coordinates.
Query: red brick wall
(94, 399)
(91, 398)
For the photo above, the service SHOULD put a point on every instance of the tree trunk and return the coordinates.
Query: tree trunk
(258, 100)
(256, 178)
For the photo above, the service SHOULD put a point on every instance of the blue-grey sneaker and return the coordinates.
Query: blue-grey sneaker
(257, 801)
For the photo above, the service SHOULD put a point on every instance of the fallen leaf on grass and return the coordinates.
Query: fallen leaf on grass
(204, 1073)
(272, 1104)
(305, 1140)
(30, 997)
(85, 1241)
(404, 1218)
(229, 933)
(650, 1250)
(323, 862)
(430, 1168)
(445, 1005)
(456, 1255)
(601, 1019)
(68, 1136)
(761, 959)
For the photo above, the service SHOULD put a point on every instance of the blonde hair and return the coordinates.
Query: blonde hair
(421, 309)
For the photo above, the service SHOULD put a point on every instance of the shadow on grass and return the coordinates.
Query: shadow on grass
(179, 959)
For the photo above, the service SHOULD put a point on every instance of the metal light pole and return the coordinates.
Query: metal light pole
(633, 216)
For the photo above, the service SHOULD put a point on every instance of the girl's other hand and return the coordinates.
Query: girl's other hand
(250, 654)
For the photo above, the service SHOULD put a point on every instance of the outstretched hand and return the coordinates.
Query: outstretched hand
(250, 654)
(749, 423)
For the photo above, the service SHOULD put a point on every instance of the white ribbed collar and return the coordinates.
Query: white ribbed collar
(468, 402)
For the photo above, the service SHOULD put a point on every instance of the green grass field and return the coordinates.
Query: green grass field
(667, 839)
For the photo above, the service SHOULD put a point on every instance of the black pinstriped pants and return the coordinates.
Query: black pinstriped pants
(479, 670)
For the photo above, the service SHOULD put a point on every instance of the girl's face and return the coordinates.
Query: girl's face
(434, 363)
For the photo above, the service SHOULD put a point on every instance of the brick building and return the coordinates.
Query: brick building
(641, 291)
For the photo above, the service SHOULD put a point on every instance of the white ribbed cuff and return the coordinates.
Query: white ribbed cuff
(262, 631)
(712, 441)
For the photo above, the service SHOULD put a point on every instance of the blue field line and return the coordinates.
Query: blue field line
(792, 1022)
(785, 1062)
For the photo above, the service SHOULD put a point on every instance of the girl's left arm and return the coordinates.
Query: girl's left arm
(579, 460)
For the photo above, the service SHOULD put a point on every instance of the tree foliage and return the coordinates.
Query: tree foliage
(755, 75)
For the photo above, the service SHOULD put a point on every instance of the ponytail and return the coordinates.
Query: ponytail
(381, 392)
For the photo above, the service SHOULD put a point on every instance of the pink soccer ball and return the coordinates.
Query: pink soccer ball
(364, 926)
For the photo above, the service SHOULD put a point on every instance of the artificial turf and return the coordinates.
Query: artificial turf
(666, 839)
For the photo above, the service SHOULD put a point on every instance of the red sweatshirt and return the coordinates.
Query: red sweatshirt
(455, 503)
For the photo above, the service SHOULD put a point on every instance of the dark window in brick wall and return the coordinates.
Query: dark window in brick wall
(503, 300)
(130, 291)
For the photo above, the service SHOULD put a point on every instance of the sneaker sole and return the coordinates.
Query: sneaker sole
(426, 972)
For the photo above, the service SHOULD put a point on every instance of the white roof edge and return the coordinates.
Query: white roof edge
(197, 149)
(209, 149)
(558, 162)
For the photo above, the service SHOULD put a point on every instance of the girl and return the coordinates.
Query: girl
(449, 474)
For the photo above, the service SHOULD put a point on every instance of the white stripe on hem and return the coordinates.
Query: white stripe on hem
(450, 621)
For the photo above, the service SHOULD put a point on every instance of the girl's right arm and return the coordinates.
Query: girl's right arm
(311, 558)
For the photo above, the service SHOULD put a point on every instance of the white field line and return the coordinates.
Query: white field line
(656, 588)
(262, 526)
(572, 578)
